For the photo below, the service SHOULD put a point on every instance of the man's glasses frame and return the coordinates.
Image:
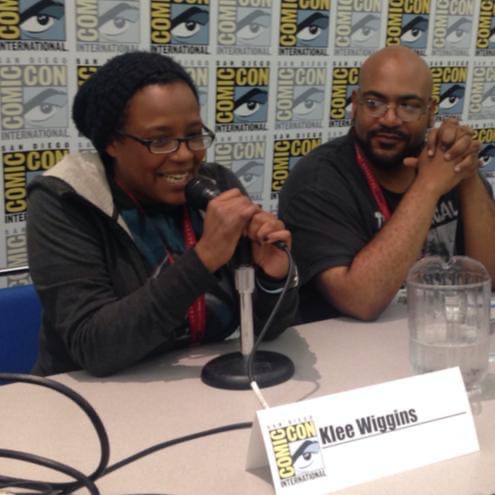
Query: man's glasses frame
(165, 145)
(407, 110)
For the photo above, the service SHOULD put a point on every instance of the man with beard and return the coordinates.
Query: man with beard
(364, 207)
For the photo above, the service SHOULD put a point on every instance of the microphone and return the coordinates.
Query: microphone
(230, 371)
(200, 190)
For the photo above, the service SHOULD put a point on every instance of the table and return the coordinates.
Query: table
(165, 398)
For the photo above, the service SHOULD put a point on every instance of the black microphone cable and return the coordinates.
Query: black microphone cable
(81, 479)
(250, 362)
(38, 487)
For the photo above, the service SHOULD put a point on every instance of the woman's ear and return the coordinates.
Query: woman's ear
(111, 149)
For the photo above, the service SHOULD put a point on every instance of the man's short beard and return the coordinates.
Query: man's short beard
(383, 163)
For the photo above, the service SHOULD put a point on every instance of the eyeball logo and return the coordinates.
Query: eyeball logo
(107, 21)
(242, 97)
(357, 28)
(487, 159)
(32, 20)
(301, 26)
(453, 27)
(244, 25)
(37, 97)
(451, 99)
(189, 25)
(449, 87)
(297, 453)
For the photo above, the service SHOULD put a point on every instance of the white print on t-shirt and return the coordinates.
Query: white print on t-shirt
(379, 219)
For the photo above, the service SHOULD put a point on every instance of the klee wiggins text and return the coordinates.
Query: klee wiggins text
(367, 425)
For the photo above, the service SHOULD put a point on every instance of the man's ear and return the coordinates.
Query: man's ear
(354, 99)
(432, 112)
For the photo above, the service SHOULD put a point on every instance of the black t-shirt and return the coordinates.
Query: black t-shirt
(327, 205)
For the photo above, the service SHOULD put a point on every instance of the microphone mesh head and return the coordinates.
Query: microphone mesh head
(200, 190)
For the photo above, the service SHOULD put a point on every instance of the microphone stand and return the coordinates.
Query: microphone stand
(230, 371)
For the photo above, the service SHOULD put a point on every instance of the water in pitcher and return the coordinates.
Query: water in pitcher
(468, 351)
(448, 314)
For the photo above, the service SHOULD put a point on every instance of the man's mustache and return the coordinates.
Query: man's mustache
(390, 132)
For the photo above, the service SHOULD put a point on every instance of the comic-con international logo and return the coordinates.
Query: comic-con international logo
(297, 452)
(449, 87)
(179, 26)
(107, 25)
(407, 24)
(241, 98)
(482, 100)
(286, 153)
(199, 72)
(357, 27)
(300, 97)
(344, 82)
(19, 169)
(452, 29)
(486, 136)
(246, 158)
(244, 27)
(33, 101)
(303, 28)
(32, 25)
(485, 36)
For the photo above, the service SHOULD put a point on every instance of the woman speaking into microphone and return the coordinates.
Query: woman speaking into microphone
(124, 267)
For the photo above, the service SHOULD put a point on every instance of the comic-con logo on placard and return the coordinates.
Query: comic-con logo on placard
(32, 25)
(246, 157)
(244, 27)
(199, 71)
(20, 166)
(241, 98)
(33, 100)
(407, 24)
(482, 100)
(344, 81)
(485, 36)
(107, 25)
(449, 88)
(287, 152)
(296, 450)
(486, 136)
(179, 26)
(452, 28)
(300, 95)
(304, 27)
(357, 27)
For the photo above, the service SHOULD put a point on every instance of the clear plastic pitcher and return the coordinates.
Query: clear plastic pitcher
(449, 317)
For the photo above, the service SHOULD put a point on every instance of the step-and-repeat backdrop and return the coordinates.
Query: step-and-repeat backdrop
(275, 77)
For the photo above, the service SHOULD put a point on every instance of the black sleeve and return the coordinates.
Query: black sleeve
(329, 219)
(103, 309)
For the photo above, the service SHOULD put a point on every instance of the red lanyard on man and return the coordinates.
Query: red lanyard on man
(196, 313)
(373, 185)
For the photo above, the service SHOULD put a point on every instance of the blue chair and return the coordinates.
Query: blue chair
(20, 318)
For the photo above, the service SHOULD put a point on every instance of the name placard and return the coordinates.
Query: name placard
(326, 444)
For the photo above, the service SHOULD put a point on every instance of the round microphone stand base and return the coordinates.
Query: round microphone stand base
(229, 371)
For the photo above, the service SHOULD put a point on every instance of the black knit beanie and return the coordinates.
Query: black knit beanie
(99, 105)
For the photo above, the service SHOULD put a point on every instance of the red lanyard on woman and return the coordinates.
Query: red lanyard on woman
(196, 313)
(373, 185)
